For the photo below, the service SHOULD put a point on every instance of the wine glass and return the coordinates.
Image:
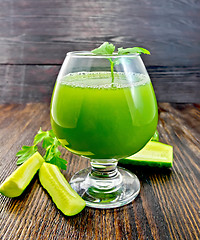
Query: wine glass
(104, 115)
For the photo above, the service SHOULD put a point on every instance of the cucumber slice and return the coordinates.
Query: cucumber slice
(154, 154)
(65, 198)
(15, 184)
(155, 136)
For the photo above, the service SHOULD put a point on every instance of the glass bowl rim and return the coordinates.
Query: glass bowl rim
(88, 54)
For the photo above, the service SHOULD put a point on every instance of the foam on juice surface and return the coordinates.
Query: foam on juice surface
(104, 80)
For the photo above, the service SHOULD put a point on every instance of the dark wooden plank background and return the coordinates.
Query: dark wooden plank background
(36, 34)
(167, 208)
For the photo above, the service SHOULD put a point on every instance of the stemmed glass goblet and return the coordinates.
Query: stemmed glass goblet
(104, 117)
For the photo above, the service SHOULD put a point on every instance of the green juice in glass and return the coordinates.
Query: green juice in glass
(99, 119)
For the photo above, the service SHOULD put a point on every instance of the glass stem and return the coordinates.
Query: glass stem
(104, 174)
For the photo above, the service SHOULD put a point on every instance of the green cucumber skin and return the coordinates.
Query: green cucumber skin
(64, 197)
(16, 186)
(145, 163)
(150, 163)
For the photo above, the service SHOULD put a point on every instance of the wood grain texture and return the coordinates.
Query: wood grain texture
(41, 32)
(167, 207)
(28, 83)
(36, 35)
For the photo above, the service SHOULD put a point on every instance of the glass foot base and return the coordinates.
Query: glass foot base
(120, 195)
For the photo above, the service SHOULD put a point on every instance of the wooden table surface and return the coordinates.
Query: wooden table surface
(166, 208)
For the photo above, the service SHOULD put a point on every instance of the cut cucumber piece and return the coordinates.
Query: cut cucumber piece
(155, 136)
(15, 184)
(65, 198)
(154, 154)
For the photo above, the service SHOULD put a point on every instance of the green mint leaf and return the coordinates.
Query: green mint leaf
(50, 152)
(57, 142)
(53, 156)
(47, 138)
(48, 141)
(25, 153)
(60, 162)
(51, 133)
(39, 137)
(122, 51)
(57, 152)
(105, 49)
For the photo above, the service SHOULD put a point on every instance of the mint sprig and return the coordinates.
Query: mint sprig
(50, 143)
(25, 153)
(105, 49)
(122, 51)
(108, 49)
